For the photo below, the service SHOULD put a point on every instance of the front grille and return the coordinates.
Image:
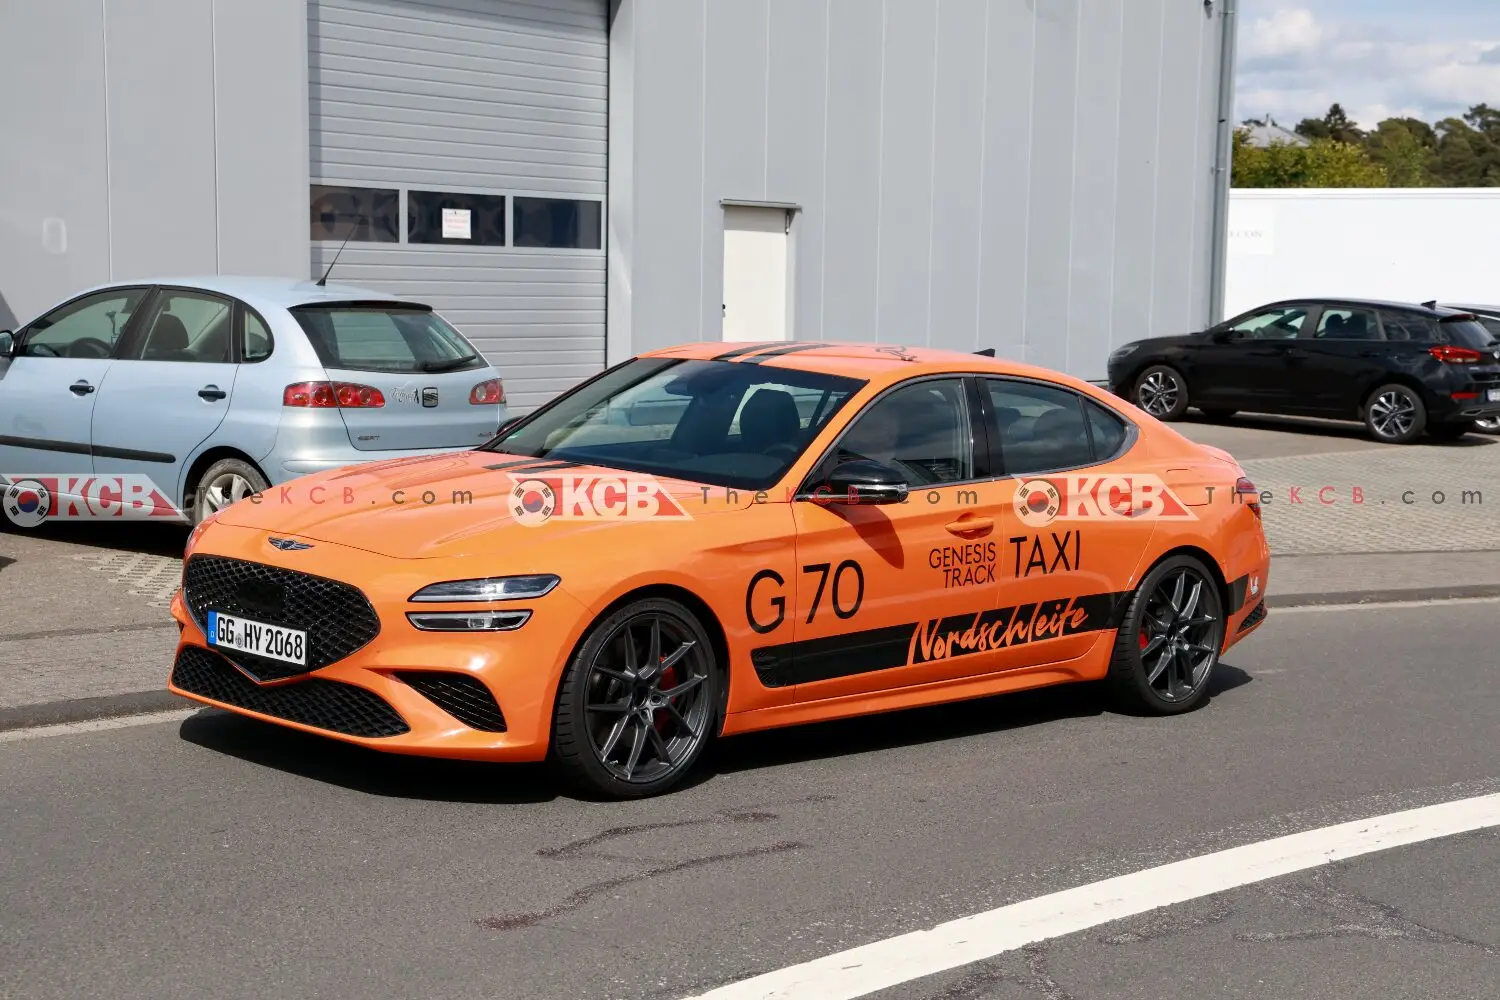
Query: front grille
(337, 618)
(329, 705)
(463, 696)
(1254, 617)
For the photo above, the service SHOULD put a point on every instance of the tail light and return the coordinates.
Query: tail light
(1246, 493)
(487, 393)
(323, 395)
(1448, 354)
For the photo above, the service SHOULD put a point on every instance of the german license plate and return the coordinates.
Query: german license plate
(257, 638)
(1492, 395)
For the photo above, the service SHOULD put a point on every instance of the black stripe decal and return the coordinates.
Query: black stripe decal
(783, 350)
(71, 448)
(809, 661)
(746, 349)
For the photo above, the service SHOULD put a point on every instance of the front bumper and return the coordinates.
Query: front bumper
(398, 692)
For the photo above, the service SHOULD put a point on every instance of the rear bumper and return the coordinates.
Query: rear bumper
(290, 467)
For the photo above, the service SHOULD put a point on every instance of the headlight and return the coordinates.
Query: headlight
(494, 588)
(1123, 352)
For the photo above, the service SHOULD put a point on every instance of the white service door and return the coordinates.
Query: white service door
(755, 274)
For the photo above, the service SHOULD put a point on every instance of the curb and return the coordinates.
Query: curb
(54, 713)
(142, 702)
(1457, 592)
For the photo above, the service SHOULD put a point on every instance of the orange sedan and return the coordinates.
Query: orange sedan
(705, 541)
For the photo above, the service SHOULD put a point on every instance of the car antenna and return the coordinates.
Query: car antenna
(988, 352)
(323, 281)
(1430, 305)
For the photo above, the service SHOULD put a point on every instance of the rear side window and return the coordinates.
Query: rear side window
(1108, 431)
(385, 338)
(1040, 428)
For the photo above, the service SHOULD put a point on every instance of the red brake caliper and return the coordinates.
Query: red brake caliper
(1144, 639)
(668, 681)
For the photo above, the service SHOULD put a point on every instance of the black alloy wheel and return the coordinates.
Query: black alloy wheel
(1168, 644)
(1394, 414)
(1162, 392)
(638, 703)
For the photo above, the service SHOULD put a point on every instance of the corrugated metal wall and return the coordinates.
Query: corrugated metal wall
(1030, 175)
(476, 97)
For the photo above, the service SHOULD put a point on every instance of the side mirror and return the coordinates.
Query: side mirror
(7, 344)
(1224, 336)
(507, 425)
(866, 482)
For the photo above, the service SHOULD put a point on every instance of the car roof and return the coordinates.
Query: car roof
(1486, 310)
(1440, 310)
(864, 360)
(267, 291)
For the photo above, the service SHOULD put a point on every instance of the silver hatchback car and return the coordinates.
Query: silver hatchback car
(219, 387)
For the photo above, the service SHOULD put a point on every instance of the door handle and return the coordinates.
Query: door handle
(1295, 352)
(80, 388)
(211, 392)
(970, 525)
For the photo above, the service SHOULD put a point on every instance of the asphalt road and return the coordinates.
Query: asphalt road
(218, 857)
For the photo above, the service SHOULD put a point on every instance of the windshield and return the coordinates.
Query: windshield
(722, 423)
(385, 337)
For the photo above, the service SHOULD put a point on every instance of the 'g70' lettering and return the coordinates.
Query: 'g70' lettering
(839, 609)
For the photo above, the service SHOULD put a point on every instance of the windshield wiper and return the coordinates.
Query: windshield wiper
(448, 366)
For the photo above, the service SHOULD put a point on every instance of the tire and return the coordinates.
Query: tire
(1450, 432)
(1395, 414)
(229, 479)
(1150, 627)
(1217, 416)
(1489, 425)
(607, 711)
(1161, 391)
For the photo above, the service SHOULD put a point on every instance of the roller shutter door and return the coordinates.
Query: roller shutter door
(463, 144)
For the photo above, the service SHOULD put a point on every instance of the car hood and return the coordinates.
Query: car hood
(456, 504)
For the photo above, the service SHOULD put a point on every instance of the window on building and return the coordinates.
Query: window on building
(447, 217)
(559, 223)
(361, 215)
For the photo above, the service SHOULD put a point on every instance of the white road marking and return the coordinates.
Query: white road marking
(95, 725)
(883, 964)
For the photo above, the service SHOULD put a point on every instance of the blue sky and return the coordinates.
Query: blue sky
(1425, 58)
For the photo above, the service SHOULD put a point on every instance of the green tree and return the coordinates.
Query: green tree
(1334, 125)
(1406, 148)
(1323, 163)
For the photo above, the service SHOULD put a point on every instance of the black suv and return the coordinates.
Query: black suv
(1402, 369)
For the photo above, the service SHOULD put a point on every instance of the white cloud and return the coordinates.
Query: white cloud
(1293, 64)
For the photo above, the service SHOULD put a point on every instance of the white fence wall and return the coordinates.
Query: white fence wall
(1406, 244)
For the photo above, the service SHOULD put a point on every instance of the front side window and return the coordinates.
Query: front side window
(86, 328)
(921, 430)
(382, 337)
(715, 422)
(1044, 428)
(186, 326)
(1271, 324)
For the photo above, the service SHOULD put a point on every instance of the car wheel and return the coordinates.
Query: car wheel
(1395, 414)
(1162, 392)
(1450, 432)
(1489, 425)
(1169, 641)
(225, 482)
(638, 702)
(1218, 416)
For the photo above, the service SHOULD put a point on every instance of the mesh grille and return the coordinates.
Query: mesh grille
(330, 705)
(337, 618)
(1255, 617)
(462, 696)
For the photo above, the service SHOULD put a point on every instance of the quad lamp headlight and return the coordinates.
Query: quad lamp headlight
(494, 588)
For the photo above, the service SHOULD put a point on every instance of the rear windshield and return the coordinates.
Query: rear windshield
(1466, 333)
(385, 338)
(716, 422)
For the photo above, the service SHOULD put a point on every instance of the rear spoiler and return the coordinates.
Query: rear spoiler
(988, 352)
(1455, 318)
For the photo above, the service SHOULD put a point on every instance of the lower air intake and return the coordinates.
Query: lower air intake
(1255, 617)
(329, 705)
(463, 696)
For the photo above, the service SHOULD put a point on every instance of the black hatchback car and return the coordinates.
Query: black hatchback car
(1402, 369)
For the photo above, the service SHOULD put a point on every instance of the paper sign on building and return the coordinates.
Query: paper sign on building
(456, 224)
